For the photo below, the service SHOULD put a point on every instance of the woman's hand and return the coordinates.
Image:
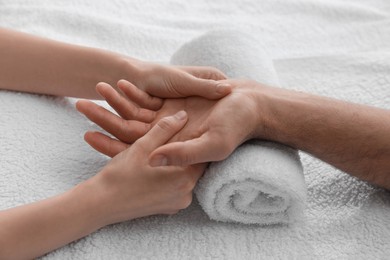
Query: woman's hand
(127, 188)
(213, 131)
(61, 69)
(131, 188)
(167, 81)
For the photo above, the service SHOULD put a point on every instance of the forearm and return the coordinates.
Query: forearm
(32, 230)
(38, 65)
(354, 138)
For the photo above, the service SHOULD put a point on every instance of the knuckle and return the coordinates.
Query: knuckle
(131, 111)
(123, 129)
(110, 148)
(165, 123)
(184, 157)
(125, 132)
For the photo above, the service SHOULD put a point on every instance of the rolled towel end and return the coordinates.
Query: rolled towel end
(260, 183)
(237, 54)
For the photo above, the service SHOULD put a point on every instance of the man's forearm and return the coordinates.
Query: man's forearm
(354, 138)
(38, 65)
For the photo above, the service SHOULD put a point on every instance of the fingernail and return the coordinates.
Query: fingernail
(159, 160)
(223, 88)
(181, 115)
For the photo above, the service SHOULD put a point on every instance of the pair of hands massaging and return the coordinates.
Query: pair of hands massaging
(214, 128)
(209, 130)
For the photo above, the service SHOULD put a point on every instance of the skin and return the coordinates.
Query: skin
(352, 137)
(128, 186)
(56, 68)
(204, 115)
(124, 193)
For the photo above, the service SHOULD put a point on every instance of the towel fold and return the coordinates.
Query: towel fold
(260, 182)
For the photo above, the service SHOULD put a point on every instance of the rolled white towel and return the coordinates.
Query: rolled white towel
(260, 182)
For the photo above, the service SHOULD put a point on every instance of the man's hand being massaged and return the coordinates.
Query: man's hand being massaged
(209, 121)
(352, 137)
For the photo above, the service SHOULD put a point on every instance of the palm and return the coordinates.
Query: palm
(222, 124)
(205, 116)
(216, 128)
(199, 111)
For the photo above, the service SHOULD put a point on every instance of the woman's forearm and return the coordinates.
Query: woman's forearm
(126, 188)
(352, 137)
(34, 229)
(39, 65)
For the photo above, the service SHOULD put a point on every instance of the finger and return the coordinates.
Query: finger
(164, 130)
(127, 131)
(105, 144)
(122, 106)
(139, 97)
(185, 85)
(204, 72)
(206, 148)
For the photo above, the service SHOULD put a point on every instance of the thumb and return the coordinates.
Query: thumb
(198, 150)
(189, 85)
(164, 130)
(169, 82)
(204, 72)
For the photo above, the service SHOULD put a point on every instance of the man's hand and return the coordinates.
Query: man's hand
(213, 131)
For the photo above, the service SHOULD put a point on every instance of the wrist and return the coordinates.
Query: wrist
(265, 122)
(105, 199)
(106, 66)
(281, 110)
(129, 69)
(274, 106)
(89, 196)
(135, 71)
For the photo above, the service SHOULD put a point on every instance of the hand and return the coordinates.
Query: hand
(324, 127)
(178, 81)
(213, 131)
(131, 188)
(127, 188)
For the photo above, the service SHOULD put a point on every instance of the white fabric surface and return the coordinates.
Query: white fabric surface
(261, 182)
(335, 48)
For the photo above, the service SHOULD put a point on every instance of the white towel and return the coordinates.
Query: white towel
(261, 182)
